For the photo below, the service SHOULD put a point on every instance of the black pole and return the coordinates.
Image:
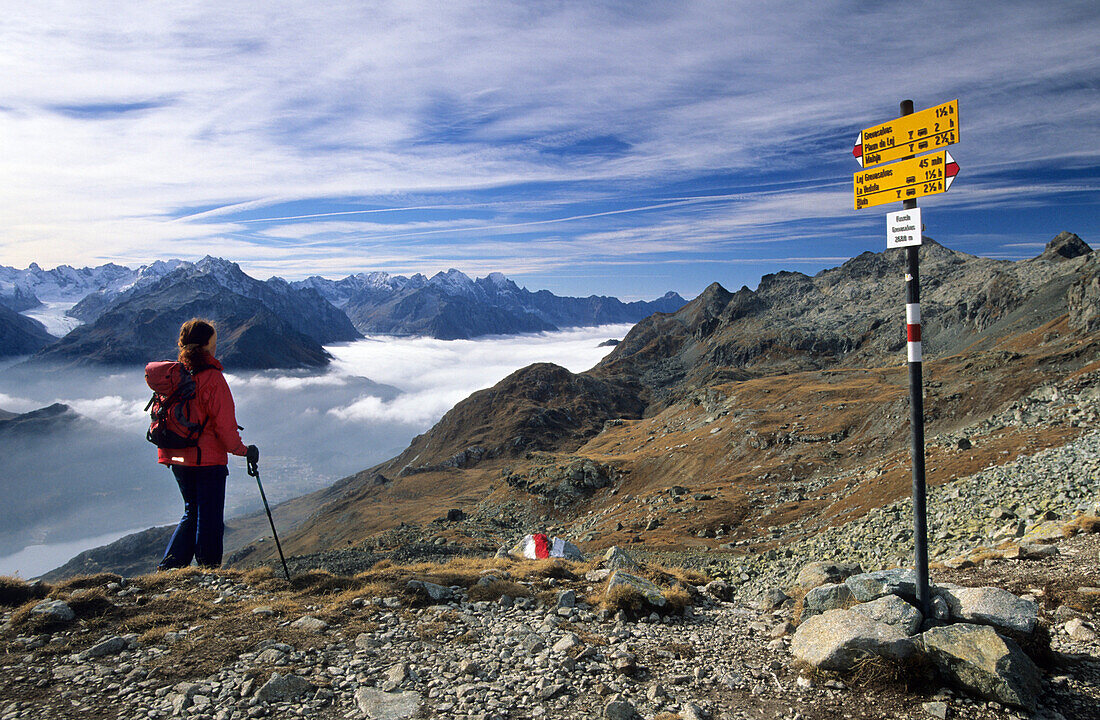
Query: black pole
(255, 472)
(916, 409)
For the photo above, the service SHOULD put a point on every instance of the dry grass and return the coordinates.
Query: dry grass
(430, 630)
(625, 599)
(322, 582)
(145, 622)
(23, 621)
(83, 582)
(496, 589)
(877, 673)
(1065, 591)
(678, 598)
(90, 604)
(874, 673)
(14, 591)
(1087, 523)
(154, 635)
(591, 638)
(281, 607)
(981, 554)
(666, 575)
(798, 594)
(257, 575)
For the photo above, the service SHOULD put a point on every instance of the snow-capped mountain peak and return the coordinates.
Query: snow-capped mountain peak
(453, 282)
(497, 283)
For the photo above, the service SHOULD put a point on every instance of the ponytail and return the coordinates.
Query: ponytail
(194, 335)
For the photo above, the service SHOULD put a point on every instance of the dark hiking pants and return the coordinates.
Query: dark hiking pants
(199, 533)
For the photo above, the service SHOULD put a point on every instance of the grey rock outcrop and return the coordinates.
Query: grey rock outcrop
(831, 596)
(978, 659)
(378, 705)
(430, 590)
(992, 606)
(873, 585)
(108, 646)
(618, 559)
(892, 610)
(837, 639)
(650, 592)
(820, 573)
(54, 610)
(283, 688)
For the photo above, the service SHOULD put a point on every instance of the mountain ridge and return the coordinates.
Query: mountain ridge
(451, 306)
(115, 304)
(263, 324)
(749, 345)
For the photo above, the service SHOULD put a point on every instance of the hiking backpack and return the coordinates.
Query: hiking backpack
(173, 421)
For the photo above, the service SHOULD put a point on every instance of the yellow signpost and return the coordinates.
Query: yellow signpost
(930, 129)
(913, 175)
(905, 180)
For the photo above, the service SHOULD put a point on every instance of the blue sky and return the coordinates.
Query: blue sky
(622, 148)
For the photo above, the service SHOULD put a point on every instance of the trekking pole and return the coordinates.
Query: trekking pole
(254, 471)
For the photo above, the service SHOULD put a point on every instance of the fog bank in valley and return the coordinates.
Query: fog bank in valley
(97, 475)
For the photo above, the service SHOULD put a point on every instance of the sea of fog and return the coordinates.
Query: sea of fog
(97, 479)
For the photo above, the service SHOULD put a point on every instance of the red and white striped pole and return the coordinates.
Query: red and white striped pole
(912, 326)
(916, 411)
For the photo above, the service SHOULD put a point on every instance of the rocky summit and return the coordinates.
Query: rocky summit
(515, 638)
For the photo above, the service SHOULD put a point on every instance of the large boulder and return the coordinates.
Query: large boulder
(1051, 531)
(830, 596)
(873, 585)
(992, 606)
(650, 592)
(57, 611)
(378, 705)
(892, 610)
(819, 573)
(837, 639)
(284, 688)
(617, 559)
(107, 646)
(979, 660)
(429, 590)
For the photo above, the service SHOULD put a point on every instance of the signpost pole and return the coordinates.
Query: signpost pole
(916, 410)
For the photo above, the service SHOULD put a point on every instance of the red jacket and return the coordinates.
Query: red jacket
(220, 436)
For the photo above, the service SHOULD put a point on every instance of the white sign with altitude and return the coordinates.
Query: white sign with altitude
(903, 228)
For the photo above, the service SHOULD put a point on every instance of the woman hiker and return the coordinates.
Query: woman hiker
(201, 471)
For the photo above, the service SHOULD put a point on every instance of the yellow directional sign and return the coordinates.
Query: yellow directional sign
(905, 180)
(930, 129)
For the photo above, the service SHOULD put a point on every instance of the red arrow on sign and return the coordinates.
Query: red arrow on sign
(857, 150)
(950, 170)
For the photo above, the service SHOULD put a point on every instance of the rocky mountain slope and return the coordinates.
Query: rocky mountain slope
(853, 316)
(755, 401)
(450, 305)
(21, 335)
(741, 423)
(36, 421)
(263, 324)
